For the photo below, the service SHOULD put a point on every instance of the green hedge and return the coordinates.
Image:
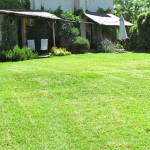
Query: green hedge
(140, 34)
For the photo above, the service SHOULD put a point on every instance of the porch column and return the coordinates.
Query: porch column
(23, 31)
(54, 40)
(83, 27)
(53, 28)
(99, 33)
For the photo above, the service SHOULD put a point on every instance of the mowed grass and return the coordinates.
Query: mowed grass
(78, 102)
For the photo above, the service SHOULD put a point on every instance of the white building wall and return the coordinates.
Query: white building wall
(76, 4)
(93, 5)
(53, 4)
(32, 2)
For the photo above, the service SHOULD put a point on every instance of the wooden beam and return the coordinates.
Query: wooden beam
(23, 31)
(54, 40)
(49, 23)
(52, 25)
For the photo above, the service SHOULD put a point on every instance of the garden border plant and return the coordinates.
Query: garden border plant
(107, 46)
(55, 51)
(17, 54)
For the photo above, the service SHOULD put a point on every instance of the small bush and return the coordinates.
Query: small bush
(17, 54)
(28, 53)
(74, 32)
(107, 46)
(81, 44)
(55, 51)
(119, 46)
(71, 32)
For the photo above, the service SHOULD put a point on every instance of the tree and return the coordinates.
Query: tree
(9, 32)
(139, 34)
(9, 25)
(131, 9)
(14, 4)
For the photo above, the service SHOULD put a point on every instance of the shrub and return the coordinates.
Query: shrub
(9, 32)
(28, 53)
(17, 54)
(119, 46)
(67, 35)
(74, 32)
(144, 32)
(71, 32)
(132, 43)
(139, 34)
(68, 28)
(55, 51)
(80, 44)
(107, 46)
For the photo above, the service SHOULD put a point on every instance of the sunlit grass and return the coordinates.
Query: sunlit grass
(89, 102)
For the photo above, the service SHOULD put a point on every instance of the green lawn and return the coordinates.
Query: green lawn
(77, 102)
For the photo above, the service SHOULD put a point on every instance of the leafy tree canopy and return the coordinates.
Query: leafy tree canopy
(131, 9)
(14, 4)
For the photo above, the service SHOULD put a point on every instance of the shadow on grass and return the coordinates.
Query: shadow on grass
(146, 52)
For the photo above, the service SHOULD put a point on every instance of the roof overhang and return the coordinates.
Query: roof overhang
(30, 14)
(106, 19)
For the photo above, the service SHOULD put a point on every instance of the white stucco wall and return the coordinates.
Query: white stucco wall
(1, 19)
(93, 5)
(53, 4)
(32, 2)
(77, 4)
